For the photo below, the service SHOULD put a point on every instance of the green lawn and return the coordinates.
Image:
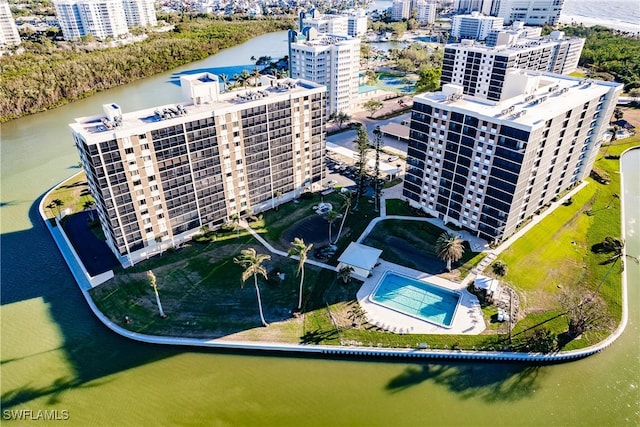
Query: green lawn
(73, 193)
(201, 291)
(556, 257)
(418, 238)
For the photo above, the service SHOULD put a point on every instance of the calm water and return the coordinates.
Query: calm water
(56, 356)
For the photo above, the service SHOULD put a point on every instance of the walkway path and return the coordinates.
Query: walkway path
(85, 283)
(273, 250)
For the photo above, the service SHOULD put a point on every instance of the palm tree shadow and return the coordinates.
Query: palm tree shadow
(488, 381)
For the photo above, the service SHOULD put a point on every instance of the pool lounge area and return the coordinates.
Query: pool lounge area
(386, 314)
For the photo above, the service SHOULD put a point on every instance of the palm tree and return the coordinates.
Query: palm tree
(57, 204)
(252, 264)
(152, 282)
(345, 273)
(331, 218)
(449, 248)
(244, 77)
(255, 75)
(346, 197)
(225, 81)
(299, 248)
(88, 206)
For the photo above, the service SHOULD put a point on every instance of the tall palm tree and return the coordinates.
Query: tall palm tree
(244, 77)
(300, 249)
(255, 75)
(449, 248)
(347, 199)
(331, 218)
(252, 264)
(225, 81)
(57, 203)
(152, 282)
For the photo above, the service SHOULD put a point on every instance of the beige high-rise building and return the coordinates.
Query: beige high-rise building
(159, 175)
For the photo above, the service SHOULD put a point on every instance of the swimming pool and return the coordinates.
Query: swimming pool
(415, 298)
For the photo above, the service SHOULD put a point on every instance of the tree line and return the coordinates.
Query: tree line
(48, 75)
(609, 54)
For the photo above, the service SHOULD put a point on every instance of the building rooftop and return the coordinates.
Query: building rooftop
(538, 96)
(204, 103)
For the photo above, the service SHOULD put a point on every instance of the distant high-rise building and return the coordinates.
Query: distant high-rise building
(353, 23)
(357, 22)
(531, 12)
(468, 6)
(8, 31)
(103, 18)
(400, 9)
(329, 60)
(426, 11)
(325, 24)
(486, 167)
(480, 70)
(140, 13)
(510, 35)
(474, 26)
(159, 175)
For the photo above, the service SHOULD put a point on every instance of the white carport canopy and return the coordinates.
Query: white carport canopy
(362, 258)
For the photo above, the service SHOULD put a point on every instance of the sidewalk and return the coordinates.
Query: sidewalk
(273, 250)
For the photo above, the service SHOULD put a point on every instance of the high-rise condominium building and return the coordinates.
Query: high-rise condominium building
(8, 31)
(103, 18)
(531, 12)
(400, 9)
(480, 70)
(510, 35)
(426, 11)
(325, 24)
(474, 26)
(488, 166)
(140, 13)
(357, 21)
(352, 23)
(332, 61)
(468, 6)
(159, 175)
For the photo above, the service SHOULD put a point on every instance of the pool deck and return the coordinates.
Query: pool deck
(467, 318)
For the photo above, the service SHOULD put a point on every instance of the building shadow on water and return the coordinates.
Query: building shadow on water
(32, 268)
(489, 381)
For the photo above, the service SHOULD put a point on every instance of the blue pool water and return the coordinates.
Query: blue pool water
(415, 298)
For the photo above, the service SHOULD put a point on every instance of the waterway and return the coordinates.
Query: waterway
(56, 356)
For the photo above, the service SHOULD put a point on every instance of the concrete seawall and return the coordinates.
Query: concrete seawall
(85, 283)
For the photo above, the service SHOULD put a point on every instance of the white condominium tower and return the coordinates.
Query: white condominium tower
(531, 12)
(159, 175)
(353, 23)
(426, 11)
(400, 9)
(487, 166)
(480, 70)
(140, 13)
(474, 26)
(103, 18)
(8, 31)
(332, 61)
